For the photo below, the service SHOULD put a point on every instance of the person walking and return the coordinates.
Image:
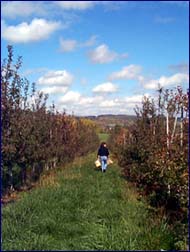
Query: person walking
(103, 154)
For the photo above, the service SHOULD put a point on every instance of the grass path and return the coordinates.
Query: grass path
(80, 208)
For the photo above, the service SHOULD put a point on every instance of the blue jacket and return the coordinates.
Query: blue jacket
(103, 151)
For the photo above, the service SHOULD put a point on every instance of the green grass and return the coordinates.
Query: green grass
(103, 137)
(81, 208)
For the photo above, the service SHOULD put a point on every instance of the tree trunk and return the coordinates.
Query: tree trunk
(167, 130)
(173, 133)
(54, 162)
(181, 127)
(23, 174)
(10, 174)
(33, 172)
(46, 166)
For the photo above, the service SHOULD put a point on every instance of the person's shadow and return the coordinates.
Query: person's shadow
(97, 169)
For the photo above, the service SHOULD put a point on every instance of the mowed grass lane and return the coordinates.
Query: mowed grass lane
(81, 208)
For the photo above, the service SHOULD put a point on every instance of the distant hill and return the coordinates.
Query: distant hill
(109, 121)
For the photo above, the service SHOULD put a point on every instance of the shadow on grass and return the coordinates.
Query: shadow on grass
(97, 169)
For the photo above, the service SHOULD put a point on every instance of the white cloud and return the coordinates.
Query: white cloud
(135, 99)
(34, 71)
(60, 78)
(176, 79)
(84, 81)
(90, 42)
(152, 84)
(94, 105)
(182, 67)
(107, 87)
(102, 54)
(38, 29)
(70, 97)
(128, 72)
(124, 56)
(141, 78)
(86, 101)
(75, 5)
(54, 90)
(67, 45)
(13, 9)
(109, 103)
(80, 102)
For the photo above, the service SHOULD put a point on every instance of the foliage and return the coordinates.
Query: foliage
(35, 138)
(154, 152)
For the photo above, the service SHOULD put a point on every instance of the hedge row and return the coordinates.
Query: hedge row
(154, 153)
(35, 138)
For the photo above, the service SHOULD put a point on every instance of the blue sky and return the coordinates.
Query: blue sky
(99, 57)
